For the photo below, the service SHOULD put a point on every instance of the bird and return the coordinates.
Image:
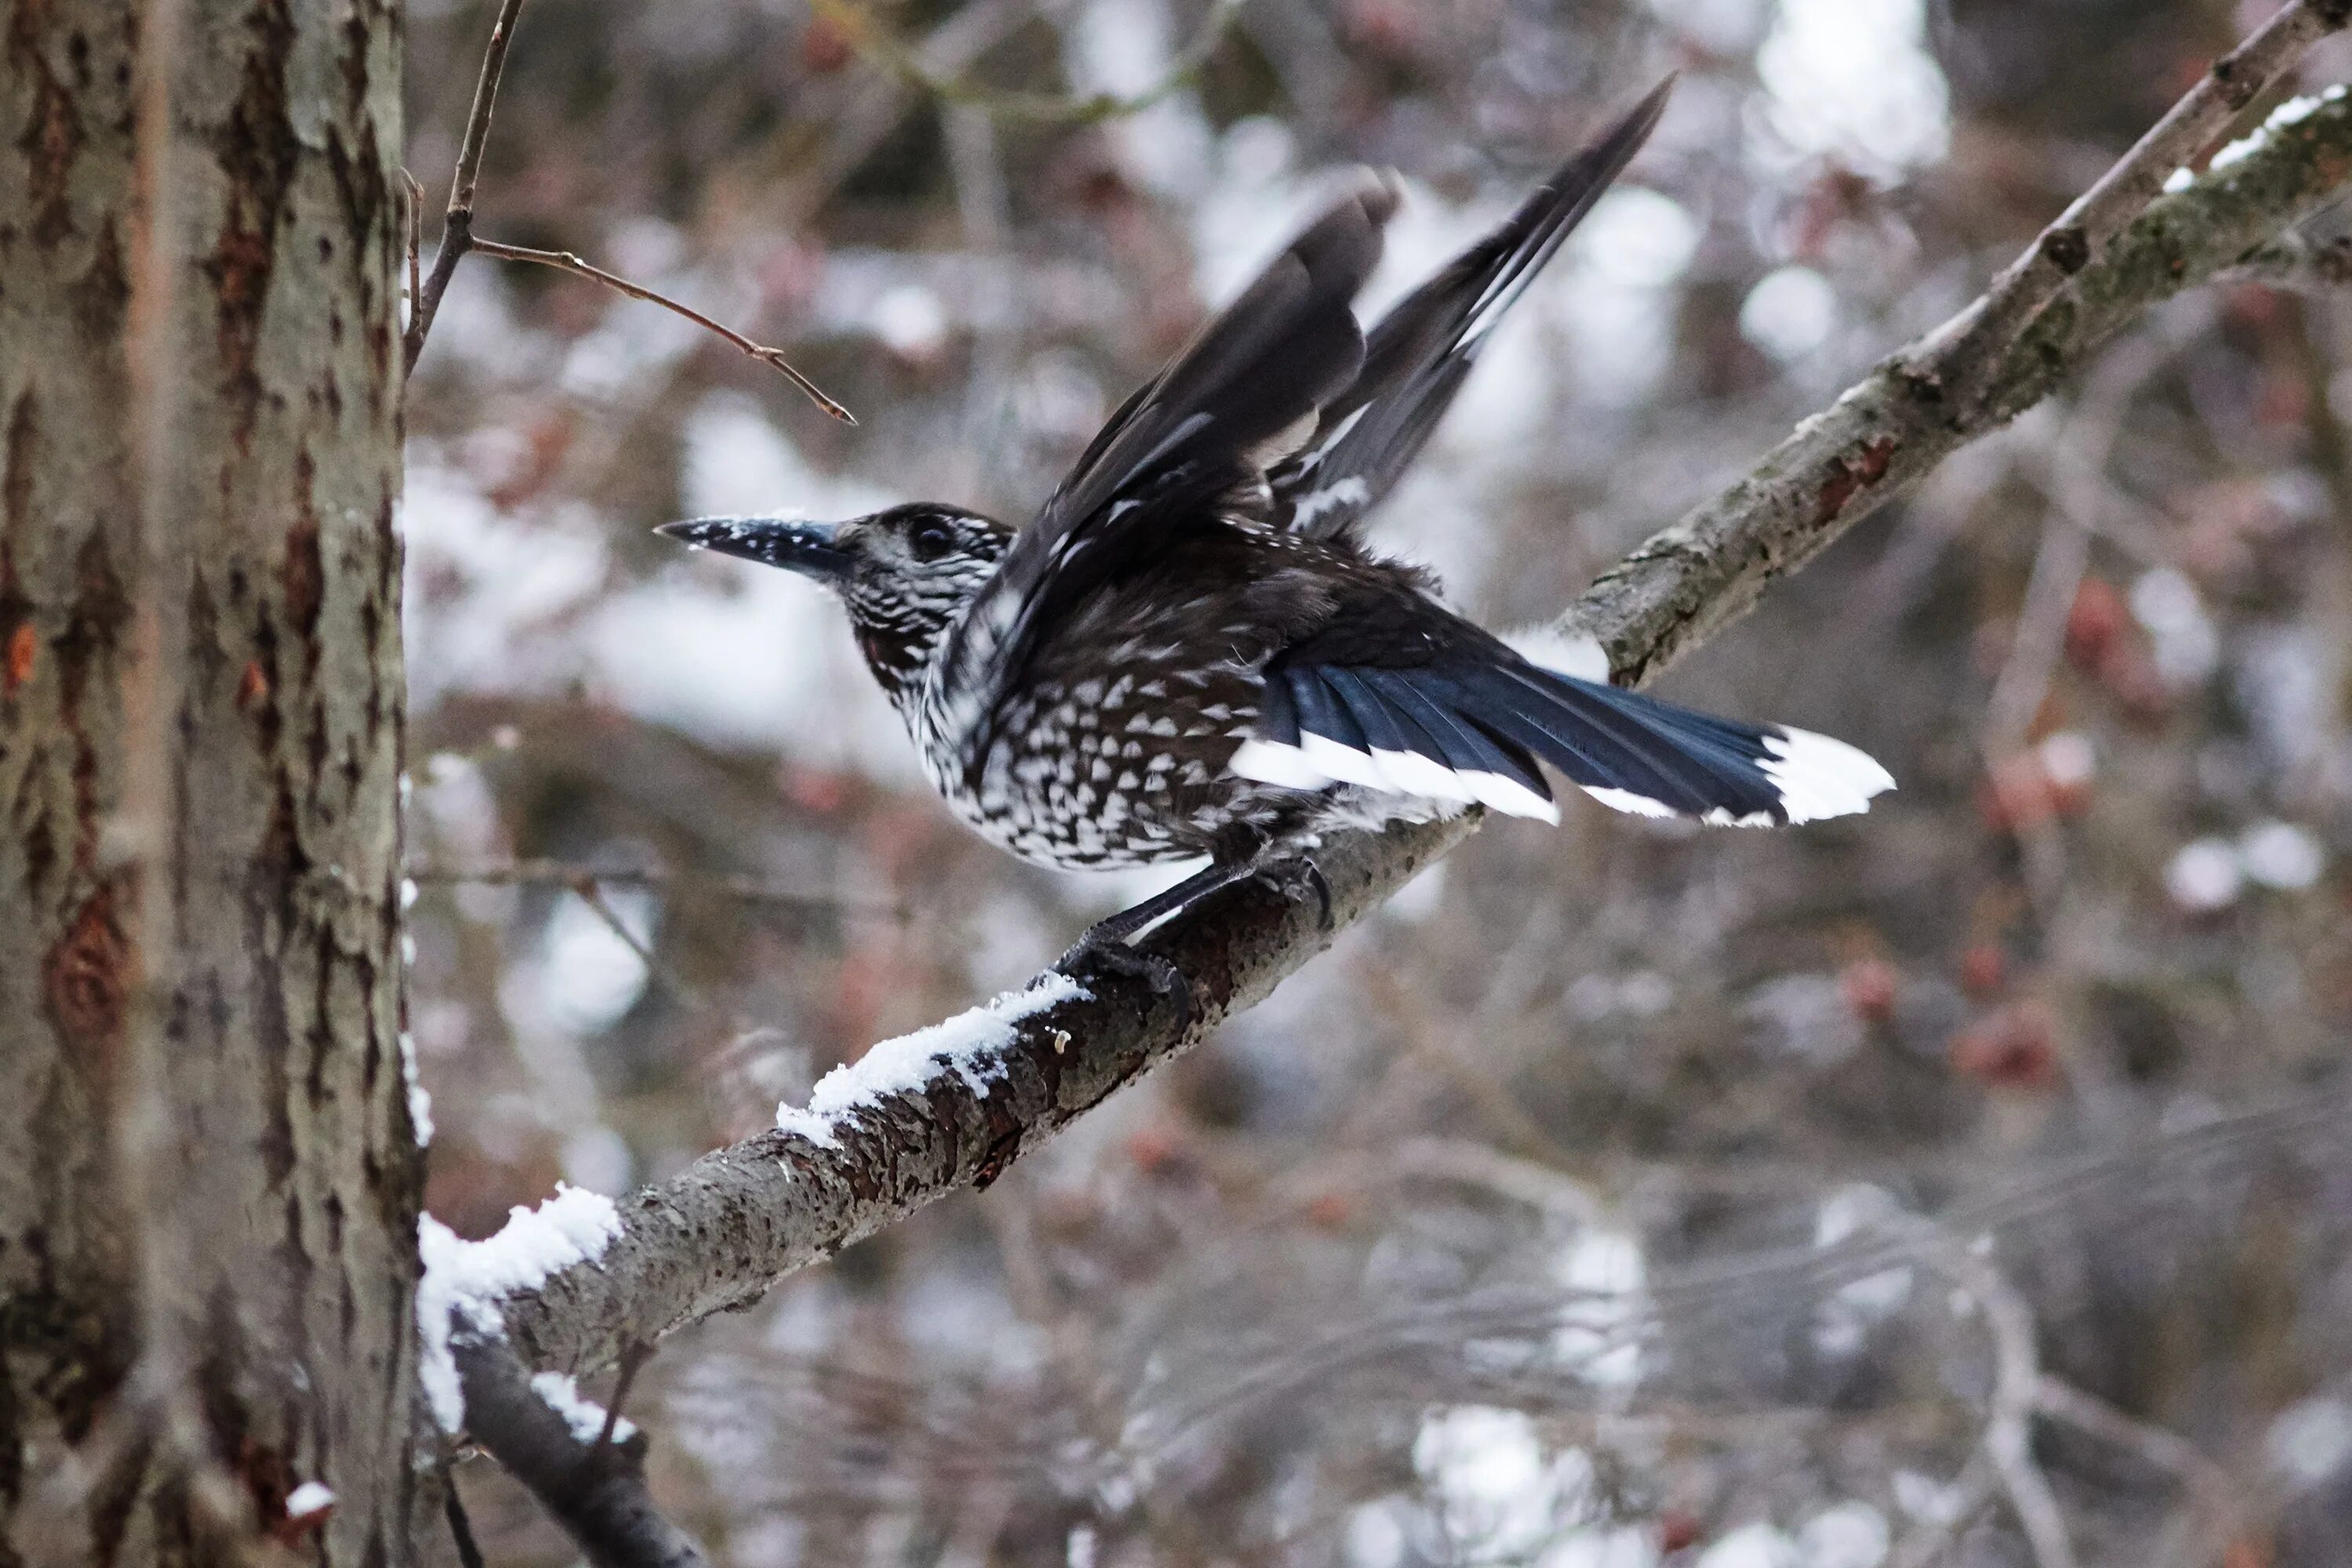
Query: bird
(1191, 650)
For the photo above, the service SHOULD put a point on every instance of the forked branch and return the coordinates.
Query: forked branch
(459, 240)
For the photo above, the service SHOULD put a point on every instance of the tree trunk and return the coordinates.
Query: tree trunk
(209, 1182)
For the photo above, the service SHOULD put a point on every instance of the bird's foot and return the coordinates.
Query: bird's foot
(1295, 877)
(1105, 946)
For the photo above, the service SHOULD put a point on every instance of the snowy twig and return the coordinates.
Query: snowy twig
(720, 1234)
(1960, 362)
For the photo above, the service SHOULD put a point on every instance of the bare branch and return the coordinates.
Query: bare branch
(413, 241)
(879, 46)
(720, 1234)
(457, 239)
(458, 226)
(565, 261)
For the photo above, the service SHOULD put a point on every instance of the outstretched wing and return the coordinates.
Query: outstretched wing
(1416, 359)
(1260, 368)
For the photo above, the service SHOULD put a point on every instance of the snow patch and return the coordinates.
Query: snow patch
(966, 1045)
(1605, 1274)
(2281, 854)
(420, 1102)
(2309, 1442)
(308, 1500)
(2293, 111)
(1791, 312)
(560, 1393)
(1752, 1546)
(472, 1278)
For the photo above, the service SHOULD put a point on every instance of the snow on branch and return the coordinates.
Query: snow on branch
(950, 1108)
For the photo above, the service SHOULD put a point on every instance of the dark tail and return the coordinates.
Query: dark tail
(1473, 730)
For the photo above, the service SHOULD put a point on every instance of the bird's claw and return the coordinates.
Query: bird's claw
(1299, 874)
(1110, 951)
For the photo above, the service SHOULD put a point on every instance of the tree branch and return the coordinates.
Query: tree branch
(719, 1235)
(590, 1483)
(457, 225)
(876, 43)
(1962, 358)
(564, 261)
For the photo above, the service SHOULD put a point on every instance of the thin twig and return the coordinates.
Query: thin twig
(457, 226)
(415, 238)
(1956, 361)
(634, 1356)
(457, 238)
(461, 1529)
(884, 49)
(565, 261)
(565, 874)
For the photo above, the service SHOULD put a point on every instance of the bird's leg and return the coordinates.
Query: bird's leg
(1105, 942)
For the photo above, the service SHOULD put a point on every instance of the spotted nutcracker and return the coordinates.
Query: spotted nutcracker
(1190, 651)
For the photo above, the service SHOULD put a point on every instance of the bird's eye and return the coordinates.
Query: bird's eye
(930, 539)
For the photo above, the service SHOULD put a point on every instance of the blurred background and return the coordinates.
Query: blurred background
(1967, 1183)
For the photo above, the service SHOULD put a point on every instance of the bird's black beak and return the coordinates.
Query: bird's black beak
(807, 548)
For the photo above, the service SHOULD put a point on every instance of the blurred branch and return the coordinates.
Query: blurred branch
(564, 261)
(593, 1487)
(2293, 261)
(884, 49)
(2210, 1488)
(565, 874)
(2016, 1393)
(720, 1233)
(457, 238)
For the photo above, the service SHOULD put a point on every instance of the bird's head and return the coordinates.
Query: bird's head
(905, 574)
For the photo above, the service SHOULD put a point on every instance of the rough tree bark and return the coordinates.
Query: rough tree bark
(208, 1180)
